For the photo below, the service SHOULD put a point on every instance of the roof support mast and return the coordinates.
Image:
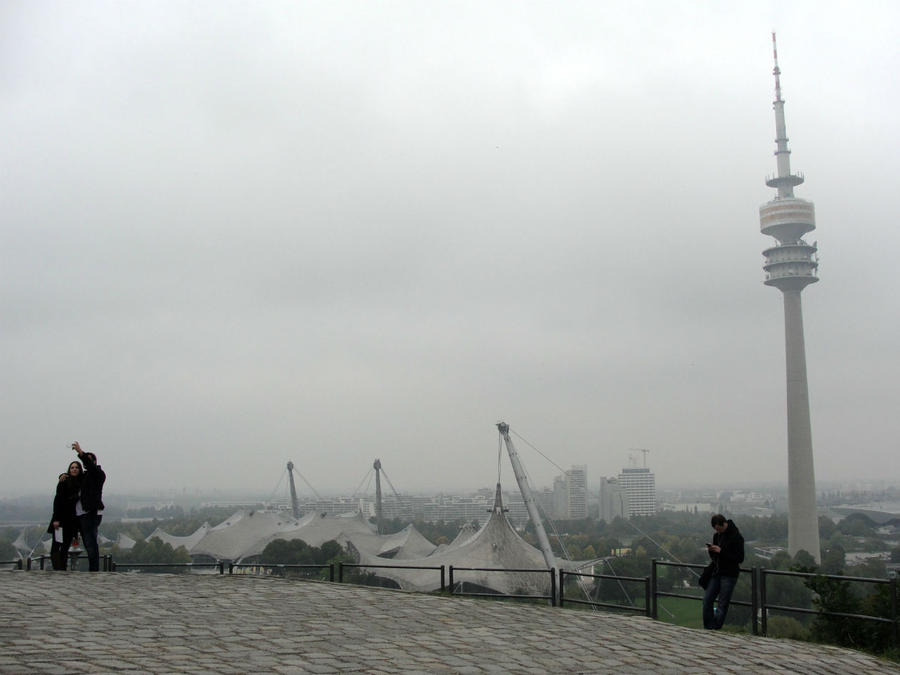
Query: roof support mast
(295, 504)
(379, 509)
(527, 497)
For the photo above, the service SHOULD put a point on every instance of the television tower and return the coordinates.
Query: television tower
(790, 266)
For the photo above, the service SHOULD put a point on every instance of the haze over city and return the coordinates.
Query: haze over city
(236, 234)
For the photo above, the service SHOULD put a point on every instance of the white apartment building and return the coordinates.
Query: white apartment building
(640, 487)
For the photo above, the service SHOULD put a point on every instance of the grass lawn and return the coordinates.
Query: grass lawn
(681, 611)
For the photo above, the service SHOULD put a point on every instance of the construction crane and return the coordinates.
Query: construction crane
(527, 497)
(641, 450)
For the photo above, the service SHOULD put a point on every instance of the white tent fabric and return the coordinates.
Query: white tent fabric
(247, 533)
(242, 532)
(495, 545)
(407, 543)
(124, 542)
(175, 541)
(315, 529)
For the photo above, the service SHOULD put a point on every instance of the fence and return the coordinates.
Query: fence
(646, 609)
(656, 593)
(759, 602)
(519, 596)
(106, 563)
(766, 606)
(759, 598)
(342, 565)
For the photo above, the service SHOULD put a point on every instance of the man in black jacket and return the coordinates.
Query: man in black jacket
(89, 507)
(727, 554)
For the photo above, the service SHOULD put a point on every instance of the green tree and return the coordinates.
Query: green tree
(833, 560)
(835, 595)
(7, 551)
(153, 551)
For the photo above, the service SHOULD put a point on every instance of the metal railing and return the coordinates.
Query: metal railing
(656, 593)
(285, 566)
(646, 609)
(765, 606)
(73, 559)
(342, 565)
(219, 564)
(759, 595)
(518, 596)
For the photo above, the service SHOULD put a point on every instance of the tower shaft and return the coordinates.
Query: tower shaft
(803, 522)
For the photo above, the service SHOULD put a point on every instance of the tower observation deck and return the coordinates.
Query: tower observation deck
(790, 266)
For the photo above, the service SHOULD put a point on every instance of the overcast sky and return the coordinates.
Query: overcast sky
(235, 234)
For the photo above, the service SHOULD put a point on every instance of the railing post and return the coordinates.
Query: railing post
(553, 586)
(27, 563)
(340, 572)
(331, 572)
(221, 566)
(451, 579)
(894, 608)
(40, 562)
(112, 564)
(443, 585)
(762, 602)
(562, 586)
(754, 598)
(647, 593)
(653, 586)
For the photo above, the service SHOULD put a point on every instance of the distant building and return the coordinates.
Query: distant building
(576, 483)
(640, 487)
(613, 499)
(570, 494)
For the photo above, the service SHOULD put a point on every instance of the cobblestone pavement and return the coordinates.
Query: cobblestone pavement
(71, 622)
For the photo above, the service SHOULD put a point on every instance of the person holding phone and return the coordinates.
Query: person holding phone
(726, 553)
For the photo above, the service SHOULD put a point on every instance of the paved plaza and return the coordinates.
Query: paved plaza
(71, 622)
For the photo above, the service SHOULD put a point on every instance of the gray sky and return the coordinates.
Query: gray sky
(238, 233)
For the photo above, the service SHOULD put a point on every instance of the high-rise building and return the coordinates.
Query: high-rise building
(613, 500)
(640, 488)
(576, 483)
(570, 494)
(790, 266)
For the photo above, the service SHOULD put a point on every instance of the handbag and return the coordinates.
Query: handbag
(705, 576)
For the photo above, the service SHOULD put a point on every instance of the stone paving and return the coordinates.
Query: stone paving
(71, 622)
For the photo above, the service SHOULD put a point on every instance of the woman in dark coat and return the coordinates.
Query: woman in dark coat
(64, 524)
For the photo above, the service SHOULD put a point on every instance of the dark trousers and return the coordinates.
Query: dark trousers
(59, 550)
(89, 523)
(722, 587)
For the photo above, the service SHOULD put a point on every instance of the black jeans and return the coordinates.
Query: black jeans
(89, 523)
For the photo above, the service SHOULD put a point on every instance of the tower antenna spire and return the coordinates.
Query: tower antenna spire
(777, 71)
